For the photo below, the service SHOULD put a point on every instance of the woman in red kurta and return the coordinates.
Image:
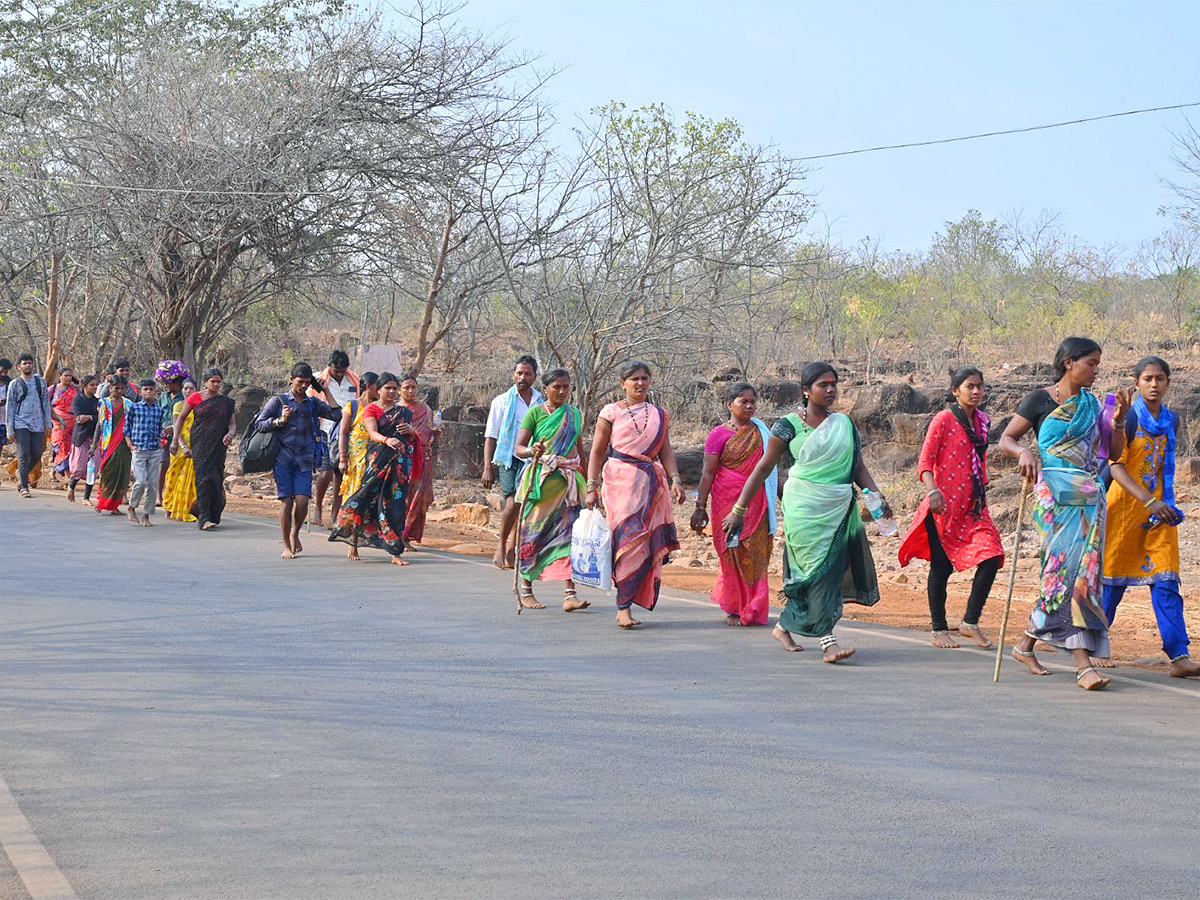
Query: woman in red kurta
(953, 528)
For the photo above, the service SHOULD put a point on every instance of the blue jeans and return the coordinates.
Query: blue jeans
(1168, 610)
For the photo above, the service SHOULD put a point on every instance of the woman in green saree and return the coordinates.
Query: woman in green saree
(827, 559)
(550, 491)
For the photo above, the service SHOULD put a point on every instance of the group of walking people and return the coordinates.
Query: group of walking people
(1101, 476)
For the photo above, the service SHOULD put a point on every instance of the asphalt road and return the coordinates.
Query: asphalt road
(188, 716)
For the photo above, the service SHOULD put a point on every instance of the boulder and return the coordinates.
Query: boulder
(1187, 471)
(691, 465)
(458, 453)
(465, 413)
(781, 393)
(472, 514)
(910, 428)
(429, 394)
(733, 373)
(876, 404)
(249, 399)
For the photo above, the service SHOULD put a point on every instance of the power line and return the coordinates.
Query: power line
(987, 134)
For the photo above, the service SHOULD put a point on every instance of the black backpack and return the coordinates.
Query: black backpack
(257, 449)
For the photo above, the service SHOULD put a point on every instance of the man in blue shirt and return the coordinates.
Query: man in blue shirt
(297, 417)
(27, 418)
(143, 433)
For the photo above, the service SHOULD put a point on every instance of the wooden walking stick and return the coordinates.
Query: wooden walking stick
(533, 461)
(1026, 486)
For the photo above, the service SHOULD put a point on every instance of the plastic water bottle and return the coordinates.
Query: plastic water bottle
(437, 420)
(886, 524)
(91, 471)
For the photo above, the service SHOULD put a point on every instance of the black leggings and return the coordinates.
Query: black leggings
(940, 569)
(87, 488)
(30, 445)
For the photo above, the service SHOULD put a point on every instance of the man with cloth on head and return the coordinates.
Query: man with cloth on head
(499, 448)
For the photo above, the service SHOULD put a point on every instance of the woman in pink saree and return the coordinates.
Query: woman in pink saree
(640, 479)
(731, 452)
(420, 490)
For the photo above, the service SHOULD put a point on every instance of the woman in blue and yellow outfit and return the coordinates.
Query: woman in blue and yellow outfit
(1142, 545)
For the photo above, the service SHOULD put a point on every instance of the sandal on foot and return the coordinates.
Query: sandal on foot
(1098, 685)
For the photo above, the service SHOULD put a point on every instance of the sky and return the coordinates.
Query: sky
(815, 78)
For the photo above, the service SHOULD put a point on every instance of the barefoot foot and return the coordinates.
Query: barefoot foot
(785, 638)
(975, 634)
(287, 554)
(208, 526)
(528, 601)
(1091, 680)
(942, 639)
(352, 554)
(1030, 661)
(625, 619)
(132, 514)
(397, 561)
(571, 603)
(146, 523)
(70, 495)
(498, 560)
(1183, 667)
(1102, 662)
(733, 620)
(833, 653)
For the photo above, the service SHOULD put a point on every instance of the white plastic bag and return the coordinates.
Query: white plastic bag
(591, 551)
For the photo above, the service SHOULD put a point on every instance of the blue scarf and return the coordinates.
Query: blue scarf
(510, 425)
(771, 485)
(1164, 424)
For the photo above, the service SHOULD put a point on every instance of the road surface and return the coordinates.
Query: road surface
(188, 716)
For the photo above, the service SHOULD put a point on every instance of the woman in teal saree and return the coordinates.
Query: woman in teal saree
(827, 559)
(550, 491)
(1068, 509)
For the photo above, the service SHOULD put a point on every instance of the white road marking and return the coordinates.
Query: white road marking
(33, 864)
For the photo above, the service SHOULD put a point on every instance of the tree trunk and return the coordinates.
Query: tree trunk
(435, 285)
(53, 319)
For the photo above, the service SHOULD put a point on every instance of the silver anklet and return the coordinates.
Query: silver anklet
(828, 641)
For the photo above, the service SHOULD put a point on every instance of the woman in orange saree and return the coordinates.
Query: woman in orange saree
(731, 452)
(640, 479)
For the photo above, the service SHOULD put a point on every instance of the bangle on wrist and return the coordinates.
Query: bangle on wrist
(739, 510)
(1149, 502)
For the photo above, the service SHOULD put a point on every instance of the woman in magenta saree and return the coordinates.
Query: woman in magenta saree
(731, 452)
(640, 479)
